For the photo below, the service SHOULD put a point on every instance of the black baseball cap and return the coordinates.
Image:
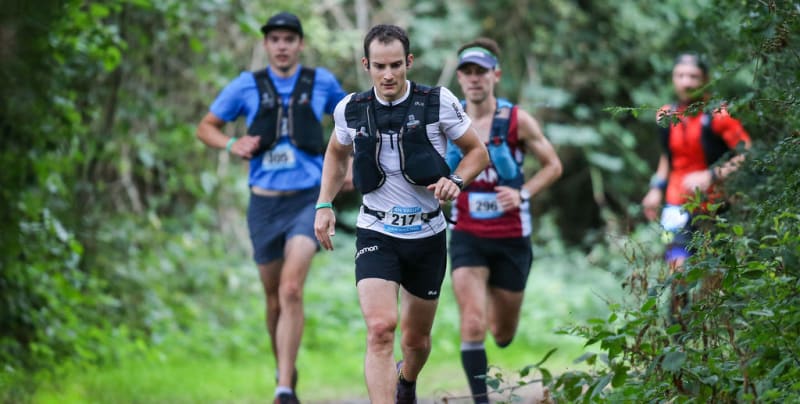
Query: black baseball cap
(283, 20)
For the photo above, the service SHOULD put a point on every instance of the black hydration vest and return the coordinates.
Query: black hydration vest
(304, 129)
(713, 145)
(420, 163)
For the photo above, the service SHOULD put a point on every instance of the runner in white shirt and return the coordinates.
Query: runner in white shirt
(397, 194)
(398, 132)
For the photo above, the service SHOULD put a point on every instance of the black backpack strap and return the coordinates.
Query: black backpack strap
(713, 145)
(424, 103)
(360, 109)
(368, 174)
(304, 87)
(267, 94)
(417, 108)
(420, 162)
(266, 122)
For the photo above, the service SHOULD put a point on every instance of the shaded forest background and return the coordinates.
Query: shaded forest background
(115, 219)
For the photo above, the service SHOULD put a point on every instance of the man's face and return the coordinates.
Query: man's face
(687, 78)
(387, 66)
(477, 82)
(283, 49)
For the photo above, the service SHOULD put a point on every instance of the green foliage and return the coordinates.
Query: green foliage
(47, 296)
(498, 384)
(737, 339)
(78, 204)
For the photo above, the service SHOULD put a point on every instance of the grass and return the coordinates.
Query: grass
(229, 362)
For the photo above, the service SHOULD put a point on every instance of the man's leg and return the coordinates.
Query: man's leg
(504, 311)
(270, 277)
(299, 251)
(379, 305)
(676, 255)
(507, 288)
(469, 286)
(416, 322)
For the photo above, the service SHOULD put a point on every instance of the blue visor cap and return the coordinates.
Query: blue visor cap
(479, 56)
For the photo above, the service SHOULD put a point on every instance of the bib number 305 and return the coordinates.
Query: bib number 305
(280, 158)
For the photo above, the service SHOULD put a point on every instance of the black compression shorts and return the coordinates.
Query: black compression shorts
(419, 265)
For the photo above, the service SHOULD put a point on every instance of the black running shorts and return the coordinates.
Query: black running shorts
(419, 265)
(508, 259)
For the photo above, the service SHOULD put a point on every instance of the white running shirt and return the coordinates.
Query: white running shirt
(401, 200)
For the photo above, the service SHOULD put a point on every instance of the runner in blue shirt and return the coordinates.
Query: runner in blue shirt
(283, 105)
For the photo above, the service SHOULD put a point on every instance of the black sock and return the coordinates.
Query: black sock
(473, 359)
(403, 380)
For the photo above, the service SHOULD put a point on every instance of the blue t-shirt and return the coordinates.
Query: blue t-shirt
(285, 167)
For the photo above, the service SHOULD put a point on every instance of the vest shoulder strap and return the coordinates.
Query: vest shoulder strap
(714, 147)
(363, 96)
(420, 88)
(266, 90)
(268, 94)
(304, 86)
(418, 104)
(501, 121)
(358, 110)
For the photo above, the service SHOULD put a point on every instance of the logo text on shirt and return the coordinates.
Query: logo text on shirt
(457, 109)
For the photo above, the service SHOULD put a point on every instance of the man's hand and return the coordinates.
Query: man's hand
(325, 227)
(245, 146)
(445, 189)
(651, 203)
(508, 198)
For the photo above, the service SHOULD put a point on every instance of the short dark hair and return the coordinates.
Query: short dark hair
(482, 42)
(692, 58)
(385, 34)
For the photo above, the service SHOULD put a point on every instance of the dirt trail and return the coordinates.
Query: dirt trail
(530, 394)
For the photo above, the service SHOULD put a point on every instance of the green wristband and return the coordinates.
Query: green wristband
(230, 143)
(323, 205)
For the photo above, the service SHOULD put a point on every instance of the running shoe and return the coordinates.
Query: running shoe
(406, 392)
(286, 398)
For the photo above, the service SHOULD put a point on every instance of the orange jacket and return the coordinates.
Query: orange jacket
(694, 142)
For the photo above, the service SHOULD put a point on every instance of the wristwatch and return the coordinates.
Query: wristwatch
(457, 180)
(524, 194)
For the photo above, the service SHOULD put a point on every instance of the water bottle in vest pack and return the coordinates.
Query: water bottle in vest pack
(503, 161)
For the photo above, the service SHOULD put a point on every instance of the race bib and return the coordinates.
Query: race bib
(282, 157)
(403, 220)
(674, 218)
(484, 205)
